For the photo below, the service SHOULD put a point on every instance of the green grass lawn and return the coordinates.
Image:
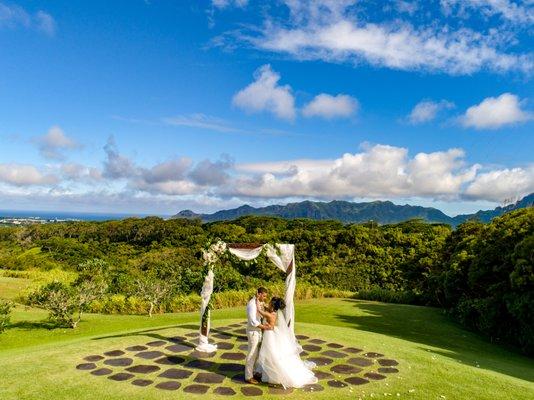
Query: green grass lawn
(437, 358)
(11, 287)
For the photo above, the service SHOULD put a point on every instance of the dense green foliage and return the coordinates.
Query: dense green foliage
(481, 273)
(5, 311)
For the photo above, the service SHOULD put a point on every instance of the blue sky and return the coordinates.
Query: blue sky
(156, 106)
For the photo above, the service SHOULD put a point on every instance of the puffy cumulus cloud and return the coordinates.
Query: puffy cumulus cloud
(168, 177)
(265, 94)
(328, 106)
(502, 184)
(117, 166)
(378, 171)
(25, 175)
(78, 172)
(427, 110)
(208, 173)
(341, 31)
(54, 143)
(13, 16)
(495, 112)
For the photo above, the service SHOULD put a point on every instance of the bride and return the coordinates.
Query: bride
(278, 360)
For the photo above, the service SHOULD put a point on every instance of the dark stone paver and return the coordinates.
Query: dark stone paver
(373, 355)
(224, 391)
(321, 360)
(345, 369)
(201, 354)
(101, 371)
(251, 391)
(175, 373)
(231, 367)
(301, 337)
(311, 347)
(119, 362)
(196, 389)
(149, 355)
(136, 348)
(239, 378)
(243, 347)
(388, 370)
(337, 384)
(156, 343)
(241, 331)
(315, 387)
(334, 345)
(322, 375)
(209, 377)
(317, 341)
(356, 380)
(170, 360)
(375, 376)
(177, 339)
(192, 334)
(121, 376)
(278, 389)
(86, 366)
(225, 346)
(361, 362)
(352, 350)
(384, 362)
(93, 358)
(333, 354)
(114, 353)
(233, 356)
(142, 382)
(178, 348)
(169, 385)
(201, 364)
(143, 369)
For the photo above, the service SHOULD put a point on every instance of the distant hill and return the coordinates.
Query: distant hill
(383, 212)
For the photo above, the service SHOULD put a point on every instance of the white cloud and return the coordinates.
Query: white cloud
(77, 172)
(334, 31)
(502, 184)
(264, 94)
(202, 121)
(427, 110)
(24, 175)
(13, 16)
(495, 112)
(229, 3)
(377, 172)
(521, 12)
(54, 143)
(328, 106)
(117, 166)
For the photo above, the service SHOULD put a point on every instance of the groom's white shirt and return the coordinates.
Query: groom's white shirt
(253, 337)
(253, 320)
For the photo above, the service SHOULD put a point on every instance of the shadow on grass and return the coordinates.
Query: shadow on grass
(431, 327)
(152, 332)
(34, 325)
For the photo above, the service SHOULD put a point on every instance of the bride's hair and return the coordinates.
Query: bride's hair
(278, 303)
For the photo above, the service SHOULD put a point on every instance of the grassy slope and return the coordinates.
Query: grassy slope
(11, 287)
(437, 358)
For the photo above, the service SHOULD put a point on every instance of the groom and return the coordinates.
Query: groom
(254, 333)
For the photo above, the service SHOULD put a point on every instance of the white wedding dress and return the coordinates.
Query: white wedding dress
(279, 361)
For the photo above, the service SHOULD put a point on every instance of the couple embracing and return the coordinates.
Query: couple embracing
(273, 352)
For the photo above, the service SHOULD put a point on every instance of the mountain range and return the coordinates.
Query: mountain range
(382, 212)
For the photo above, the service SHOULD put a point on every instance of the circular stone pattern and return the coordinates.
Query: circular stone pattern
(339, 365)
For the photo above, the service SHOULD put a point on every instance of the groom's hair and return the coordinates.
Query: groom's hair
(262, 290)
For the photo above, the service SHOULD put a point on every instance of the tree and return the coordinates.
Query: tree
(5, 311)
(154, 291)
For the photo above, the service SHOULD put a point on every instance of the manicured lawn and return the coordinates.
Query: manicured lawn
(437, 358)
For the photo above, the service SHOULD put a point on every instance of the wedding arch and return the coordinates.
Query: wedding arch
(282, 255)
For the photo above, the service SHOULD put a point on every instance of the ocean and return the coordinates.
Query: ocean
(64, 215)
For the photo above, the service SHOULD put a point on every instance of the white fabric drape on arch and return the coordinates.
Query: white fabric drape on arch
(283, 256)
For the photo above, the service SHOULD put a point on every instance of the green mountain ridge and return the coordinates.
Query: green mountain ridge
(382, 212)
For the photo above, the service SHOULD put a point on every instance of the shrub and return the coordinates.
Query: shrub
(389, 296)
(5, 311)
